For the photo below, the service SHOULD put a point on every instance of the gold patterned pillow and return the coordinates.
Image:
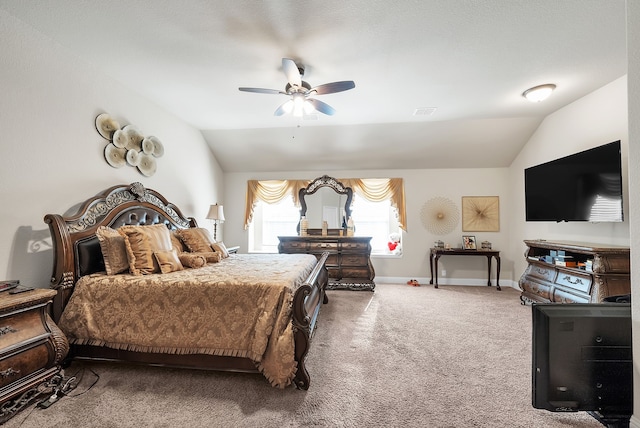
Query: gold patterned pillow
(177, 243)
(209, 256)
(114, 251)
(219, 247)
(168, 261)
(141, 242)
(196, 239)
(192, 260)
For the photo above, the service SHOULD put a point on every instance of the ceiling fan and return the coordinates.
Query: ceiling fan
(300, 91)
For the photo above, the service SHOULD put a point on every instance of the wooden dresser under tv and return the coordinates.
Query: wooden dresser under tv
(574, 272)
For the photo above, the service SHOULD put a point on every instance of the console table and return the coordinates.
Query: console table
(436, 253)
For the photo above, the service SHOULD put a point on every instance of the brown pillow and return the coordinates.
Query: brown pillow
(192, 260)
(141, 242)
(219, 247)
(210, 256)
(168, 261)
(113, 249)
(196, 239)
(177, 243)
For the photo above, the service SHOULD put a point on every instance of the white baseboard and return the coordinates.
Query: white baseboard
(446, 281)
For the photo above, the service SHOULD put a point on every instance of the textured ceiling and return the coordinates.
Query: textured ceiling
(469, 59)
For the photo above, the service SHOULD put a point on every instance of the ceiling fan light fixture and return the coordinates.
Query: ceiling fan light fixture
(539, 93)
(298, 104)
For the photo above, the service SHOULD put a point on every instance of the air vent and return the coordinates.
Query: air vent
(424, 111)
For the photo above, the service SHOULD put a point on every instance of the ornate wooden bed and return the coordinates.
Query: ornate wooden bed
(77, 253)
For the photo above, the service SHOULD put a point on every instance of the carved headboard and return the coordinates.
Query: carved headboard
(76, 249)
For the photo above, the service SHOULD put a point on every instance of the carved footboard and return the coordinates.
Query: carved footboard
(306, 307)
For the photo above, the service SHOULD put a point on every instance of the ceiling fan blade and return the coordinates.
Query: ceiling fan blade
(262, 91)
(332, 88)
(322, 107)
(285, 107)
(291, 71)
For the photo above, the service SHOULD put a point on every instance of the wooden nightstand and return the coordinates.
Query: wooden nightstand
(32, 348)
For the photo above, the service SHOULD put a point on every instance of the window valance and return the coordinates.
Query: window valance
(372, 189)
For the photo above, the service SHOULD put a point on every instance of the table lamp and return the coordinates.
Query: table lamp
(216, 214)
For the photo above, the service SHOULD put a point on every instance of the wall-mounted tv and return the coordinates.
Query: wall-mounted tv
(585, 186)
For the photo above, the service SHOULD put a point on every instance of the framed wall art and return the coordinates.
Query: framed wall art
(480, 214)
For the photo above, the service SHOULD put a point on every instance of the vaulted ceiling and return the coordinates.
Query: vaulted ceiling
(466, 62)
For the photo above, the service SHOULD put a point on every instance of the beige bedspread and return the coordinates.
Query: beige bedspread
(240, 306)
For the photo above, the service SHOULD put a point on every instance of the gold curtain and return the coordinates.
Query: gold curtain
(372, 189)
(380, 189)
(271, 192)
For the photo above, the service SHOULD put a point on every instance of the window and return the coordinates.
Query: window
(271, 221)
(375, 219)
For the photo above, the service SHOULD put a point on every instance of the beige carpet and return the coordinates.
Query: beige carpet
(400, 357)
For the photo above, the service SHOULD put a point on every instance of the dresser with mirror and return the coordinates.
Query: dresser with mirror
(349, 263)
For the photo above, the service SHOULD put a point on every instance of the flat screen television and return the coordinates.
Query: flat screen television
(585, 186)
(582, 358)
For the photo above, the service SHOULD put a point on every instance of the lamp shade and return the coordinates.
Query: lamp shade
(216, 213)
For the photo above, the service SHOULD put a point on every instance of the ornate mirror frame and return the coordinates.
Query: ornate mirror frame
(320, 182)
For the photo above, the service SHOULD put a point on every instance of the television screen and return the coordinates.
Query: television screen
(582, 358)
(585, 186)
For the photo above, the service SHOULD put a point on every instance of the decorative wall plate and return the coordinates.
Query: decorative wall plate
(480, 214)
(147, 165)
(115, 156)
(158, 148)
(439, 215)
(106, 125)
(133, 157)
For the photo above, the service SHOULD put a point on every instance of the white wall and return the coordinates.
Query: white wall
(51, 156)
(633, 52)
(420, 187)
(594, 120)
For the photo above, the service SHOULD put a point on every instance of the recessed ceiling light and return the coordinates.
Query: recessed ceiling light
(539, 93)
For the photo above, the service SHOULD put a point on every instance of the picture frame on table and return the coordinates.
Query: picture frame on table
(469, 242)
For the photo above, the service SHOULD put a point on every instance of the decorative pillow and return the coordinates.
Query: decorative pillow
(177, 243)
(219, 247)
(192, 260)
(141, 242)
(196, 239)
(113, 249)
(168, 261)
(210, 256)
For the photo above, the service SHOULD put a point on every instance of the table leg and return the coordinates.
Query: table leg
(431, 267)
(435, 268)
(498, 273)
(489, 271)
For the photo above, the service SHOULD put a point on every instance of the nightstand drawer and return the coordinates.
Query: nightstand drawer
(23, 362)
(20, 327)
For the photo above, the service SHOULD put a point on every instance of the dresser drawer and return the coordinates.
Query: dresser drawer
(563, 296)
(538, 289)
(294, 247)
(323, 246)
(547, 273)
(354, 260)
(22, 363)
(577, 282)
(355, 272)
(20, 327)
(358, 247)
